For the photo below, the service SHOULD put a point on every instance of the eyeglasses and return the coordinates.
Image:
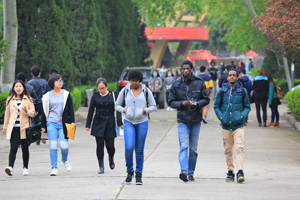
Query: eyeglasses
(59, 81)
(102, 88)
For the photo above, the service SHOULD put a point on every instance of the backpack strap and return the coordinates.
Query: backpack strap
(243, 95)
(146, 96)
(124, 97)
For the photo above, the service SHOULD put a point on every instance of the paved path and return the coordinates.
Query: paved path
(272, 166)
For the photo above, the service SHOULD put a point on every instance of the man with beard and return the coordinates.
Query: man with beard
(232, 106)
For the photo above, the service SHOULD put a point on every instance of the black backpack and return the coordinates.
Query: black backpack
(146, 96)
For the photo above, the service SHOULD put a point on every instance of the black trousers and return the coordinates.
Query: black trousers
(14, 145)
(275, 113)
(156, 96)
(110, 147)
(167, 96)
(263, 104)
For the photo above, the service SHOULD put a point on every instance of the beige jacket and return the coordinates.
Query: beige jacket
(155, 87)
(11, 114)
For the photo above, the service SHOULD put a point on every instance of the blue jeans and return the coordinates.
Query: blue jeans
(134, 139)
(188, 135)
(55, 131)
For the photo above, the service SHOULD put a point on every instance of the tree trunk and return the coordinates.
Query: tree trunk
(251, 10)
(287, 73)
(11, 34)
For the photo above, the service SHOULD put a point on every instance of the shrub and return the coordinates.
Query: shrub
(283, 84)
(3, 97)
(76, 97)
(255, 70)
(111, 87)
(293, 100)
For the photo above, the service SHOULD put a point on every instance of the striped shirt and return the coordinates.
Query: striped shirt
(17, 124)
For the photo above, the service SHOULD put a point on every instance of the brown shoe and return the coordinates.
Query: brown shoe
(245, 124)
(271, 125)
(276, 124)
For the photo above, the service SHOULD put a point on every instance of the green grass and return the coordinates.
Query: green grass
(255, 70)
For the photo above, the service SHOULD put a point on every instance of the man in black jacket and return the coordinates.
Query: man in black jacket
(188, 95)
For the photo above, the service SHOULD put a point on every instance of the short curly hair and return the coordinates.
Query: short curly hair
(135, 74)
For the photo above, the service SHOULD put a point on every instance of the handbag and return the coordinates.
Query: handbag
(251, 98)
(33, 133)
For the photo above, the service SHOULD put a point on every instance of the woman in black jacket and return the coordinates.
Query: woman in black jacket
(104, 126)
(261, 91)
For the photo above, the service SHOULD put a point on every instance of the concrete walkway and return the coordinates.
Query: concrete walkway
(272, 166)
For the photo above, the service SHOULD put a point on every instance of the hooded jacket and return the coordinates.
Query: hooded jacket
(192, 89)
(232, 112)
(261, 87)
(247, 84)
(135, 105)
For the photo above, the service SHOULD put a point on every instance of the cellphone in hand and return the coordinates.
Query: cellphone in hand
(193, 102)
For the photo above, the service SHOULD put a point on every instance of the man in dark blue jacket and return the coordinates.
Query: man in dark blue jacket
(188, 95)
(247, 84)
(232, 106)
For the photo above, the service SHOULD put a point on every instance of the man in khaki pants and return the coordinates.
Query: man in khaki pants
(232, 106)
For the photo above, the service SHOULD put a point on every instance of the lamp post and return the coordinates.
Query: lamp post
(292, 74)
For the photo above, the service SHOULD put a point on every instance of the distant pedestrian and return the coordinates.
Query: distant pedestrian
(57, 111)
(240, 63)
(261, 92)
(232, 106)
(104, 122)
(213, 72)
(37, 84)
(155, 83)
(233, 65)
(273, 102)
(178, 73)
(136, 102)
(221, 69)
(209, 85)
(188, 95)
(224, 76)
(247, 84)
(250, 65)
(168, 81)
(19, 107)
(241, 67)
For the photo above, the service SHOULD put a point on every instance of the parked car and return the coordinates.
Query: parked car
(147, 72)
(297, 86)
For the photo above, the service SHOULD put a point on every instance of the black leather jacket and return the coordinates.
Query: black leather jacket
(186, 90)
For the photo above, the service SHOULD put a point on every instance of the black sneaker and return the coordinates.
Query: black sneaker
(230, 176)
(191, 178)
(240, 176)
(138, 179)
(129, 176)
(183, 177)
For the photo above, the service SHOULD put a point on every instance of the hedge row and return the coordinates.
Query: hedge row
(293, 100)
(283, 84)
(78, 95)
(110, 86)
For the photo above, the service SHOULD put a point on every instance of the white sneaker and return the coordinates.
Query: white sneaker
(67, 166)
(9, 171)
(171, 109)
(25, 172)
(168, 108)
(54, 172)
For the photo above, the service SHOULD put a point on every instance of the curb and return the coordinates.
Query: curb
(288, 116)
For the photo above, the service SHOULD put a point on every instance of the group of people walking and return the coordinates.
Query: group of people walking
(188, 93)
